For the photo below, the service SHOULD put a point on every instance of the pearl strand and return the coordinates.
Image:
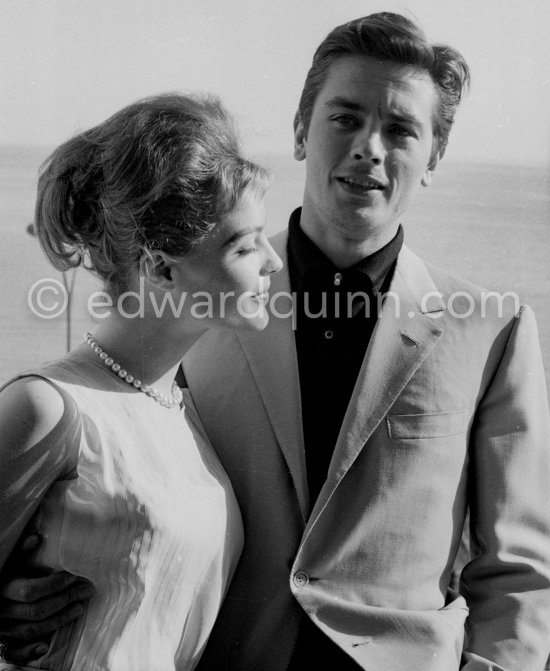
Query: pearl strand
(177, 394)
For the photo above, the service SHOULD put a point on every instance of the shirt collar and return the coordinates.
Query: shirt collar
(304, 255)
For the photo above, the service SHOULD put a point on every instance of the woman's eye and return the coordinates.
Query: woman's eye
(246, 250)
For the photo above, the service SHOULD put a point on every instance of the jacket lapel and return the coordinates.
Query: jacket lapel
(273, 361)
(406, 332)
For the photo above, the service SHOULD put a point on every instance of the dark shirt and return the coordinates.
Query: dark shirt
(336, 312)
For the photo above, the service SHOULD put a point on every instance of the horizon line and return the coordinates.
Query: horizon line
(478, 161)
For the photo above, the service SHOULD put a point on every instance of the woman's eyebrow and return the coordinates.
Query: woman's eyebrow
(241, 233)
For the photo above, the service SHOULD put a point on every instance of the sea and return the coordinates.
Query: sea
(487, 223)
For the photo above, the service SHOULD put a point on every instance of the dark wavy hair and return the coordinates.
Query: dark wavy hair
(157, 175)
(392, 37)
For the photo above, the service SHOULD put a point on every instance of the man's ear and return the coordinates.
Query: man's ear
(156, 267)
(430, 169)
(299, 138)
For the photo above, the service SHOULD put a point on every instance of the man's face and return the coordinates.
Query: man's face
(368, 149)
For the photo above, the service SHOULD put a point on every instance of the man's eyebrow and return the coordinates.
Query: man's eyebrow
(240, 234)
(340, 101)
(353, 106)
(404, 117)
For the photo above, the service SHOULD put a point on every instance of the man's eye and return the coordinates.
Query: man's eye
(402, 131)
(344, 120)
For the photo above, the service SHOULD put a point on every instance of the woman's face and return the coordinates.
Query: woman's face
(225, 280)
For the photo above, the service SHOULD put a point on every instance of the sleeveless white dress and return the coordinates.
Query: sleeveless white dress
(133, 498)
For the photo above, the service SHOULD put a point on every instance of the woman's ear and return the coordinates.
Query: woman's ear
(156, 267)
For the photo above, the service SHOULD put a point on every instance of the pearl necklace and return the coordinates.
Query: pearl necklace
(176, 396)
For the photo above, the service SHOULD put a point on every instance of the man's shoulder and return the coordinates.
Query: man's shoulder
(461, 295)
(448, 280)
(279, 241)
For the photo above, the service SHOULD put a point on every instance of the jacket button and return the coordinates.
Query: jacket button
(300, 579)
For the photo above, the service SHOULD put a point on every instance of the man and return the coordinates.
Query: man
(357, 442)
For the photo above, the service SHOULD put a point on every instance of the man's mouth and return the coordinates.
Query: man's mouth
(361, 183)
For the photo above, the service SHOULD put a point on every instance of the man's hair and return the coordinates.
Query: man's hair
(159, 174)
(391, 37)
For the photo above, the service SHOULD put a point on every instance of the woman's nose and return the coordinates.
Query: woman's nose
(273, 262)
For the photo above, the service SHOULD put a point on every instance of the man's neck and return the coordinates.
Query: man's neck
(346, 252)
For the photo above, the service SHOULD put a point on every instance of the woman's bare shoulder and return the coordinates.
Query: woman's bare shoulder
(30, 408)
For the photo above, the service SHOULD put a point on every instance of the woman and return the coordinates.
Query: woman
(100, 449)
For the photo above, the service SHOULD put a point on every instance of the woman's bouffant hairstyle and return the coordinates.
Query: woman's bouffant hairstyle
(392, 37)
(157, 175)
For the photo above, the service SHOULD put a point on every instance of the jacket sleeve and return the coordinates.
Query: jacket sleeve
(507, 584)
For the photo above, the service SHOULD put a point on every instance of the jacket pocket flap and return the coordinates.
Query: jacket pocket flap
(436, 425)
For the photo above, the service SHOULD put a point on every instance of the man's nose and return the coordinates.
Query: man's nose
(368, 146)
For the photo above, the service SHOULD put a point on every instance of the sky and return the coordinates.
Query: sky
(68, 64)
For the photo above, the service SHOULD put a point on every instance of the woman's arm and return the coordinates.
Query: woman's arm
(30, 458)
(35, 450)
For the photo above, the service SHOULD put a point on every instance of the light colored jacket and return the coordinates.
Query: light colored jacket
(449, 411)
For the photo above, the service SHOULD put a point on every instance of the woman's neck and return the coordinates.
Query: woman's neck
(148, 349)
